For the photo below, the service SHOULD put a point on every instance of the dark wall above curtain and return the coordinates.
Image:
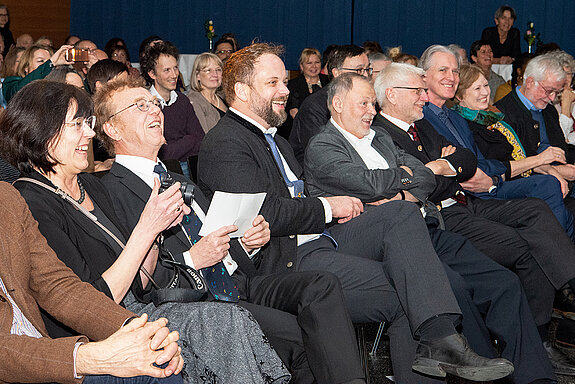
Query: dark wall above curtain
(413, 24)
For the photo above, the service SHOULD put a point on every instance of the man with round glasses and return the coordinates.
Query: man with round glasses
(313, 113)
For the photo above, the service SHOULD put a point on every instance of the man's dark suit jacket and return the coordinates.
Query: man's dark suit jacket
(313, 114)
(463, 160)
(235, 156)
(130, 194)
(334, 168)
(527, 129)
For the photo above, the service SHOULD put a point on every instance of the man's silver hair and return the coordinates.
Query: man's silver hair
(425, 61)
(544, 65)
(376, 56)
(455, 49)
(341, 85)
(565, 59)
(394, 75)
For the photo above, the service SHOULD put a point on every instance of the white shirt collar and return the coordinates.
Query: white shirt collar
(271, 130)
(141, 166)
(399, 123)
(173, 97)
(352, 138)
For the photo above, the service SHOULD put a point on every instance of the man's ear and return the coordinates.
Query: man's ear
(110, 130)
(241, 90)
(474, 58)
(390, 95)
(335, 72)
(152, 75)
(337, 104)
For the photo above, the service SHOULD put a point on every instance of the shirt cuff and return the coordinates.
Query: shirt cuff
(188, 259)
(326, 209)
(450, 167)
(76, 346)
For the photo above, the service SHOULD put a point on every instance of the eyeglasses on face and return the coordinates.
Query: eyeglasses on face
(142, 105)
(89, 122)
(209, 71)
(419, 91)
(360, 71)
(549, 92)
(224, 51)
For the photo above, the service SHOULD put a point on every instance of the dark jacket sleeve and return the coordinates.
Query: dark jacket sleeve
(312, 115)
(240, 162)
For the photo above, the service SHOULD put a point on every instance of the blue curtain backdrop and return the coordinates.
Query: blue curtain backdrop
(413, 24)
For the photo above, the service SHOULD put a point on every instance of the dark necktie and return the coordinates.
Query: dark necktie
(445, 119)
(297, 184)
(460, 198)
(315, 88)
(414, 134)
(220, 283)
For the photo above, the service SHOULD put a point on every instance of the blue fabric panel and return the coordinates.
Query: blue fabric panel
(413, 24)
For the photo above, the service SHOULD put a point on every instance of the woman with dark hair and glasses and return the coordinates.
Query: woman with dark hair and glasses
(45, 131)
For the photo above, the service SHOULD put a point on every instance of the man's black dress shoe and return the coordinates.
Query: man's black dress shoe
(562, 365)
(565, 333)
(564, 304)
(452, 355)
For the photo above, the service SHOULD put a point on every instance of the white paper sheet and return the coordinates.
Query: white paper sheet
(238, 209)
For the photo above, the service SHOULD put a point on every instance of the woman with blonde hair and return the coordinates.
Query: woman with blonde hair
(205, 81)
(310, 80)
(36, 63)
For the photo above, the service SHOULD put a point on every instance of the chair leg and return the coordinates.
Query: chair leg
(377, 339)
(360, 334)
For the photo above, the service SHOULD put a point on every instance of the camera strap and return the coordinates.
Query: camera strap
(160, 295)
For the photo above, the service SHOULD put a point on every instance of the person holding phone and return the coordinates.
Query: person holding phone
(36, 63)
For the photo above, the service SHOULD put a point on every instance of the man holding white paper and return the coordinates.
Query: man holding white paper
(299, 312)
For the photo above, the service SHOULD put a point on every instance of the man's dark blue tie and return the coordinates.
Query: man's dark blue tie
(220, 283)
(297, 184)
(444, 117)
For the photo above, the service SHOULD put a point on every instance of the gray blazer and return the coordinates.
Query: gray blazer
(333, 167)
(206, 112)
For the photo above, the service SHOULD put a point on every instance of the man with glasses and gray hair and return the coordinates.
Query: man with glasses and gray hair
(529, 110)
(313, 113)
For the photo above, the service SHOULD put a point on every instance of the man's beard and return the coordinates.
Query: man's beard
(264, 109)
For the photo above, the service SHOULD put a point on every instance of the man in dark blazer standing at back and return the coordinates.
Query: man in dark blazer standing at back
(298, 312)
(366, 251)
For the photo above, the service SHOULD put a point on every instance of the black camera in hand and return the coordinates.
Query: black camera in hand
(187, 189)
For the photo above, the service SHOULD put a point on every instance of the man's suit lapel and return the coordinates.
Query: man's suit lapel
(139, 188)
(402, 139)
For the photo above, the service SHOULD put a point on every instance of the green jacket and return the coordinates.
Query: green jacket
(13, 84)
